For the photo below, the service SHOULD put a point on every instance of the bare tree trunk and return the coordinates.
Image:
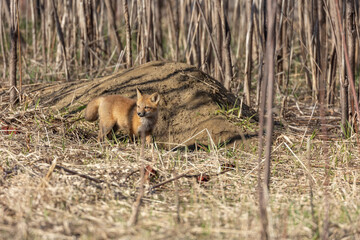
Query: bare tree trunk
(90, 30)
(248, 54)
(259, 19)
(217, 55)
(158, 34)
(344, 82)
(322, 46)
(269, 76)
(303, 47)
(112, 24)
(219, 39)
(148, 28)
(74, 36)
(226, 47)
(174, 30)
(84, 51)
(311, 50)
(44, 39)
(2, 42)
(33, 19)
(13, 51)
(128, 35)
(267, 89)
(61, 38)
(330, 97)
(350, 41)
(348, 68)
(281, 43)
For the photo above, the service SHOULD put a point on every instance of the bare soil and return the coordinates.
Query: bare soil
(189, 108)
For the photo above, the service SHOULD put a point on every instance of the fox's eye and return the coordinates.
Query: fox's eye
(147, 107)
(138, 106)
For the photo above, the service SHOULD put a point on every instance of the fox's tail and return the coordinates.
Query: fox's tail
(91, 111)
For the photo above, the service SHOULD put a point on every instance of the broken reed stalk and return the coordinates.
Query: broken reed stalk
(268, 84)
(134, 218)
(177, 199)
(270, 75)
(322, 69)
(349, 71)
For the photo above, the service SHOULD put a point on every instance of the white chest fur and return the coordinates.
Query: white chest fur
(147, 124)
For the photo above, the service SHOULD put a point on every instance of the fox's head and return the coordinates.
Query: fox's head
(147, 104)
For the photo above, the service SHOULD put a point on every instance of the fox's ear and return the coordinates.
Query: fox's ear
(155, 98)
(139, 93)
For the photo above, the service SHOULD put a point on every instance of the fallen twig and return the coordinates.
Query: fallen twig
(84, 176)
(185, 175)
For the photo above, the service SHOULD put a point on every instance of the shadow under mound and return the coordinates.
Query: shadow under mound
(189, 102)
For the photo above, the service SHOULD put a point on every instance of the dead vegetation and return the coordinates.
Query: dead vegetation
(57, 182)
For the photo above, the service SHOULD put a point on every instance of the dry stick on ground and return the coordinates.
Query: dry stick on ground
(79, 174)
(177, 199)
(72, 172)
(315, 227)
(61, 39)
(186, 175)
(137, 204)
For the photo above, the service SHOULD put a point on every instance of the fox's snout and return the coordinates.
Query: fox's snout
(141, 114)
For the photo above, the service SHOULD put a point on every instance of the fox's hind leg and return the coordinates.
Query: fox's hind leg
(105, 128)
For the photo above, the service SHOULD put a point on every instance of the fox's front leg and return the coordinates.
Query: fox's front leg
(148, 138)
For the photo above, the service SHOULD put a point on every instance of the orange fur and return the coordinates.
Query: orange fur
(115, 111)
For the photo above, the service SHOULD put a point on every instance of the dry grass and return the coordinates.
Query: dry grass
(41, 201)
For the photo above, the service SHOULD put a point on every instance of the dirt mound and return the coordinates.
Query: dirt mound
(190, 100)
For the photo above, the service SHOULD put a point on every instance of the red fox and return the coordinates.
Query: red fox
(115, 111)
